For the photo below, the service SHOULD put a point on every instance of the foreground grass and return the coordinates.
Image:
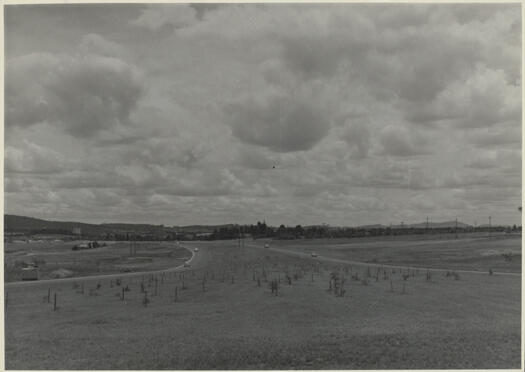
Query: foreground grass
(473, 322)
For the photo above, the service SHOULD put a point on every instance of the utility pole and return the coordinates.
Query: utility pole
(427, 222)
(456, 229)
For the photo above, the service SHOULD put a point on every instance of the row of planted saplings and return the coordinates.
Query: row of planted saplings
(276, 274)
(203, 279)
(148, 285)
(45, 299)
(151, 285)
(338, 276)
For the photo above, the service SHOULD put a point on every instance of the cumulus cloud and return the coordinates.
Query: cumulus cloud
(486, 161)
(498, 167)
(200, 183)
(279, 123)
(83, 93)
(170, 15)
(32, 158)
(256, 158)
(496, 136)
(399, 141)
(357, 135)
(92, 179)
(96, 44)
(481, 99)
(368, 112)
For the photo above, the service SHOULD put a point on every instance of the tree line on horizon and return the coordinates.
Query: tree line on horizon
(226, 232)
(261, 230)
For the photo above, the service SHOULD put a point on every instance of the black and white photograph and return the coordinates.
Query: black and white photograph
(262, 186)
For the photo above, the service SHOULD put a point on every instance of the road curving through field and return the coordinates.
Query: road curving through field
(194, 256)
(372, 264)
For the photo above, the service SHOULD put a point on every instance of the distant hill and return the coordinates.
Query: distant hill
(27, 224)
(30, 225)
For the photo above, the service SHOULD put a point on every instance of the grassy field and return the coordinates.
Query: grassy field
(234, 321)
(469, 252)
(113, 258)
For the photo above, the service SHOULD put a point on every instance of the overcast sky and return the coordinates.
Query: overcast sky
(297, 114)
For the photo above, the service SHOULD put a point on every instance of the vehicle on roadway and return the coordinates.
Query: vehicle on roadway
(30, 273)
(196, 250)
(267, 245)
(313, 254)
(187, 264)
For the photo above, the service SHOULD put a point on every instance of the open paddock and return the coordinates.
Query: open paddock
(224, 314)
(478, 252)
(113, 258)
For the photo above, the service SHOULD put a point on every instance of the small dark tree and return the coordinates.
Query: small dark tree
(274, 287)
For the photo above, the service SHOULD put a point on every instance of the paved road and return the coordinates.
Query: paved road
(196, 257)
(370, 264)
